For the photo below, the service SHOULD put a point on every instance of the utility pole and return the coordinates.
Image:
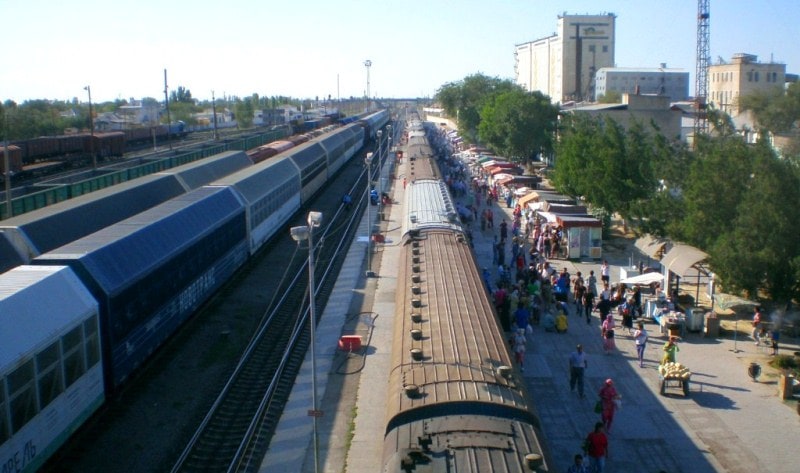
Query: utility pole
(166, 105)
(91, 128)
(214, 110)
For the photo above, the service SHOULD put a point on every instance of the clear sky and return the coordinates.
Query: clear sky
(307, 48)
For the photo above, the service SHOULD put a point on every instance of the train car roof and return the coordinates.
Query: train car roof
(306, 154)
(263, 178)
(37, 304)
(199, 173)
(9, 256)
(56, 225)
(120, 254)
(429, 206)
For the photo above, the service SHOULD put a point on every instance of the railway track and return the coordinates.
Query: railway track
(235, 434)
(148, 425)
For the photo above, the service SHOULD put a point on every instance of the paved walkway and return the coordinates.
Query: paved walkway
(728, 423)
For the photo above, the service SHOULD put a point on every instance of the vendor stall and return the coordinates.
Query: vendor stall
(584, 236)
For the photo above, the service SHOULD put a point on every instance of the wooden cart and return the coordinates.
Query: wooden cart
(673, 382)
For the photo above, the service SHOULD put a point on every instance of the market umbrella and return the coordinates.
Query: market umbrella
(644, 279)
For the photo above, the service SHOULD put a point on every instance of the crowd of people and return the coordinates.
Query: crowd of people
(529, 290)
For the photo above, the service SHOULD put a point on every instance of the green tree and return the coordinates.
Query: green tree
(243, 109)
(610, 167)
(761, 250)
(717, 181)
(519, 124)
(773, 109)
(182, 95)
(612, 96)
(465, 99)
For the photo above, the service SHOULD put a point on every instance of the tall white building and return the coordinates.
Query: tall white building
(563, 66)
(672, 83)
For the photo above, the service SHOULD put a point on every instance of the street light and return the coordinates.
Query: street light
(380, 168)
(368, 160)
(91, 128)
(368, 64)
(302, 233)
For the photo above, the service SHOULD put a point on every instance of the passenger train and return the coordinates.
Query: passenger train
(455, 402)
(89, 305)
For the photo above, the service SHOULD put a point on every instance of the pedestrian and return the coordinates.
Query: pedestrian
(597, 448)
(610, 399)
(607, 332)
(605, 272)
(518, 343)
(521, 317)
(670, 349)
(578, 466)
(577, 366)
(757, 325)
(776, 335)
(592, 283)
(640, 337)
(588, 304)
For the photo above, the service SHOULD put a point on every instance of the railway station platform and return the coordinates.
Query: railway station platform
(351, 384)
(727, 423)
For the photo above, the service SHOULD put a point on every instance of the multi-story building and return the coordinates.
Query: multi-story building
(672, 83)
(563, 66)
(727, 81)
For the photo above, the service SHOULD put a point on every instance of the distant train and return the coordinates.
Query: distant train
(78, 320)
(455, 403)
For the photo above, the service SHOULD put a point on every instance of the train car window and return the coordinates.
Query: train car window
(22, 395)
(48, 368)
(74, 362)
(92, 342)
(5, 431)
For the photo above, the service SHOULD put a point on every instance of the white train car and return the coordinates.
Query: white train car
(51, 377)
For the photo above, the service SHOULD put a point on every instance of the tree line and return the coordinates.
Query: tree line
(734, 200)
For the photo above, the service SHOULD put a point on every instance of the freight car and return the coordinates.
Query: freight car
(455, 403)
(14, 160)
(142, 277)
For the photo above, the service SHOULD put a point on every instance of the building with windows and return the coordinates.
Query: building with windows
(563, 66)
(727, 81)
(672, 83)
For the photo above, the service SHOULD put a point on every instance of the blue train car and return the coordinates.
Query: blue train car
(271, 192)
(9, 256)
(374, 122)
(150, 272)
(51, 378)
(199, 173)
(342, 145)
(312, 161)
(56, 225)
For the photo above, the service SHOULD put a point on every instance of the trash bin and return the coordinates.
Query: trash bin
(695, 320)
(712, 325)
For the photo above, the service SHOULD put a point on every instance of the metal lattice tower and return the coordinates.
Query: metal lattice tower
(703, 60)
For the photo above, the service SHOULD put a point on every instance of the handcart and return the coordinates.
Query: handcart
(674, 375)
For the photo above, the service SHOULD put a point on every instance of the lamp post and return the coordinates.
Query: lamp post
(91, 128)
(368, 160)
(388, 148)
(299, 234)
(380, 168)
(368, 64)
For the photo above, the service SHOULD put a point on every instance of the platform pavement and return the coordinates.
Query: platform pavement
(728, 423)
(347, 444)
